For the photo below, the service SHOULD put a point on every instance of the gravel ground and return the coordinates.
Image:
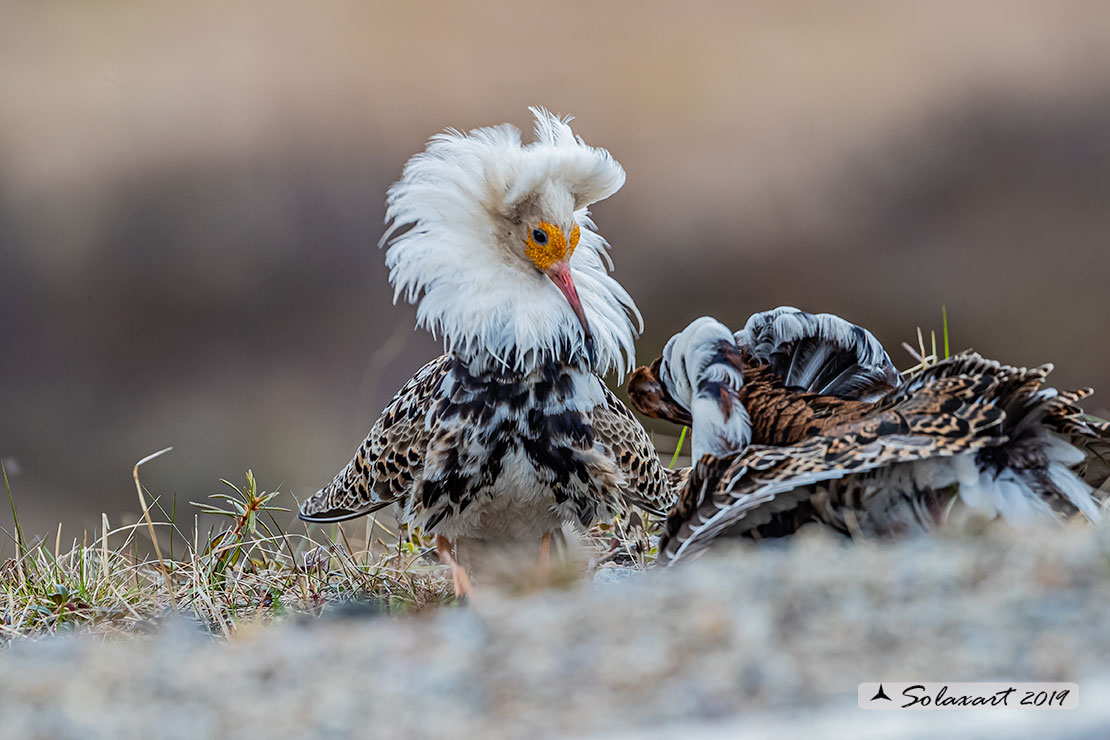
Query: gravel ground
(753, 641)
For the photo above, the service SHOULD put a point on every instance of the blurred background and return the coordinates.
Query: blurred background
(191, 195)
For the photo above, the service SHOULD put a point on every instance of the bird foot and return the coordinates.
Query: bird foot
(463, 588)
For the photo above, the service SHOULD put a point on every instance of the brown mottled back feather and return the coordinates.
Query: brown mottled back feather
(648, 484)
(816, 458)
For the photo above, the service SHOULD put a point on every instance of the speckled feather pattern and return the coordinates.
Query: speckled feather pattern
(967, 430)
(891, 467)
(502, 455)
(387, 463)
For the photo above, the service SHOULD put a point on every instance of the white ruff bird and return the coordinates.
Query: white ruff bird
(511, 433)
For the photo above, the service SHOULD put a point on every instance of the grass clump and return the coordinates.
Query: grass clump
(251, 571)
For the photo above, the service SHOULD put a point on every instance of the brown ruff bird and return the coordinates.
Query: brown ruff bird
(511, 433)
(867, 453)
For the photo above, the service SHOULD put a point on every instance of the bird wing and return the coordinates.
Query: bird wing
(763, 481)
(389, 460)
(820, 353)
(753, 484)
(648, 484)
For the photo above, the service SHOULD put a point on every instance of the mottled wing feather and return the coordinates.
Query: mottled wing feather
(676, 478)
(940, 416)
(389, 460)
(863, 467)
(648, 484)
(762, 481)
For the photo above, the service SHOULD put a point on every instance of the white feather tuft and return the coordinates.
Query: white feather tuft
(1075, 490)
(708, 387)
(1021, 496)
(457, 200)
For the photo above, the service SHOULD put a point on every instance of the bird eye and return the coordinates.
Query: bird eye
(539, 236)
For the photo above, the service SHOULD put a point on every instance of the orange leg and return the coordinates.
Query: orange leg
(545, 552)
(458, 573)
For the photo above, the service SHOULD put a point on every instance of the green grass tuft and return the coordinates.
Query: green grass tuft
(252, 571)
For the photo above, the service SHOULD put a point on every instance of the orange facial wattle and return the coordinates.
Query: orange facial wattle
(556, 250)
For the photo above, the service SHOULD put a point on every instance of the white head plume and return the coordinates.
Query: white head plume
(465, 201)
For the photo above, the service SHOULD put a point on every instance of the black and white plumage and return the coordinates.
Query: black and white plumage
(498, 455)
(820, 353)
(511, 433)
(886, 457)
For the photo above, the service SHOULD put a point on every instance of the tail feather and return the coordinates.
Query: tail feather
(1045, 435)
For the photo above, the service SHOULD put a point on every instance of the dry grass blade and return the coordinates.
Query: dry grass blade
(253, 571)
(146, 515)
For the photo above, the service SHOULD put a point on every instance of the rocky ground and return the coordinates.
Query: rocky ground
(766, 641)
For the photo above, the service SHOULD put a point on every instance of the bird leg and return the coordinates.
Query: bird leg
(545, 552)
(458, 573)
